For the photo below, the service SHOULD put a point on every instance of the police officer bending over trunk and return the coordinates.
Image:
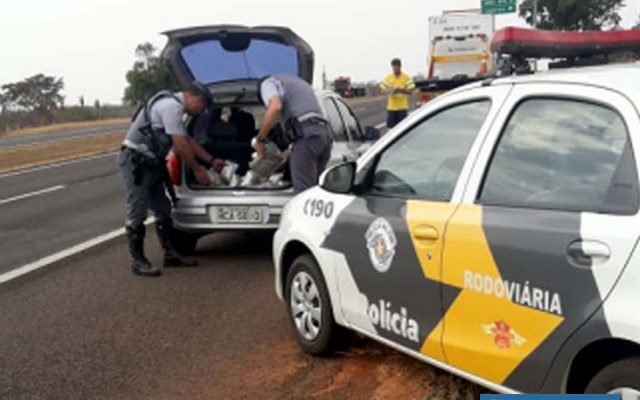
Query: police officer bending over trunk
(292, 100)
(156, 127)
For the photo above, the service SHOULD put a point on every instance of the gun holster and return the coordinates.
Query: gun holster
(293, 130)
(138, 165)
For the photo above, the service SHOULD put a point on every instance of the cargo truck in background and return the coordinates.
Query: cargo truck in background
(342, 86)
(459, 50)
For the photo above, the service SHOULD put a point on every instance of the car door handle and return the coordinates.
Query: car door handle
(588, 252)
(426, 233)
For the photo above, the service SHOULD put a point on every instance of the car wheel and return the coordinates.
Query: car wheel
(185, 242)
(621, 378)
(309, 306)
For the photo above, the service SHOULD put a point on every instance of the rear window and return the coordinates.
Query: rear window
(209, 62)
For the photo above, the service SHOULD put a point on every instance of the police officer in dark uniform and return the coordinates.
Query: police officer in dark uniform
(156, 128)
(292, 101)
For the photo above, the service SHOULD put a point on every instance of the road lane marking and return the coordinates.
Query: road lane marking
(379, 126)
(32, 194)
(56, 165)
(45, 261)
(53, 258)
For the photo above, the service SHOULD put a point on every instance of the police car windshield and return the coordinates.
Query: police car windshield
(209, 62)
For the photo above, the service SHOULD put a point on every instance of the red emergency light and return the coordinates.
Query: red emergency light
(532, 43)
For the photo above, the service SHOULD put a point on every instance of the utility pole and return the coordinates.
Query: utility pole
(535, 14)
(324, 77)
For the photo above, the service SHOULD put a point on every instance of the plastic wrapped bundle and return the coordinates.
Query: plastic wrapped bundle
(263, 168)
(229, 171)
(250, 179)
(215, 178)
(227, 177)
(234, 181)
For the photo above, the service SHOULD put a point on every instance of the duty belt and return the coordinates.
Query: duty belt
(313, 121)
(138, 164)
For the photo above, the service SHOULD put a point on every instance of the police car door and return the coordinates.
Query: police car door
(392, 235)
(547, 224)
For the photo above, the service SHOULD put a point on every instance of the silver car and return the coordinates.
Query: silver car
(231, 60)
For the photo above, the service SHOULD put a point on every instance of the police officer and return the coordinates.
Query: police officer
(156, 127)
(291, 100)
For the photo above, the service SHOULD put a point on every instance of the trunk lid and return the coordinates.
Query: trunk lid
(230, 59)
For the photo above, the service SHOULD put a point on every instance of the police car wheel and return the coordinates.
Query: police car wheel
(620, 378)
(309, 306)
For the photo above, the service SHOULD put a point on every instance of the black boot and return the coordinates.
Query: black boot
(139, 263)
(171, 256)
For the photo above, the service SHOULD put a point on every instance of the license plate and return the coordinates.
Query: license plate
(237, 215)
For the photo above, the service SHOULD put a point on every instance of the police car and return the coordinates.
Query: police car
(493, 234)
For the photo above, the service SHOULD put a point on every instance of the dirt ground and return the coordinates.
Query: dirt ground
(63, 127)
(39, 154)
(366, 370)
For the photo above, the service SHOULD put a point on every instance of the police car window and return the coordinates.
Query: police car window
(426, 162)
(353, 128)
(563, 154)
(335, 121)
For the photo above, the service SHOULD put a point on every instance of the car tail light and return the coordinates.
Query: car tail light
(532, 43)
(174, 166)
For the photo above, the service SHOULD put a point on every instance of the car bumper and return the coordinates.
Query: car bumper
(192, 213)
(278, 247)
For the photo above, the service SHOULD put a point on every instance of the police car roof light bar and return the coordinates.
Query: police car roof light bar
(516, 46)
(532, 43)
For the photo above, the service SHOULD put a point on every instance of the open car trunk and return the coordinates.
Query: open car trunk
(227, 134)
(231, 59)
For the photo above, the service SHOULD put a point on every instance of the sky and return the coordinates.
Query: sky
(91, 43)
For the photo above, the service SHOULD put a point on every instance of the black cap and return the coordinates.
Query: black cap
(199, 89)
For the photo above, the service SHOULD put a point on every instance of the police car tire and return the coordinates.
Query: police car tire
(620, 374)
(324, 343)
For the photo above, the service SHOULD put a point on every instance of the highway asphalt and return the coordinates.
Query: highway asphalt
(85, 327)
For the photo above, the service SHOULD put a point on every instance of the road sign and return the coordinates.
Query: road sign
(460, 25)
(498, 6)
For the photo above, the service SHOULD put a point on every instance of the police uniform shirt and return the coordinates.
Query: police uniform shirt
(269, 88)
(166, 115)
(298, 99)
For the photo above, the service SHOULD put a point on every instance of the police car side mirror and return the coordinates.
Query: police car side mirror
(339, 179)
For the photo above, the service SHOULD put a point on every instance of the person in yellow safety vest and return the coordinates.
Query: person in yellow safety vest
(398, 86)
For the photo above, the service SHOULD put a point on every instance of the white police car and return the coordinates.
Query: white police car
(493, 234)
